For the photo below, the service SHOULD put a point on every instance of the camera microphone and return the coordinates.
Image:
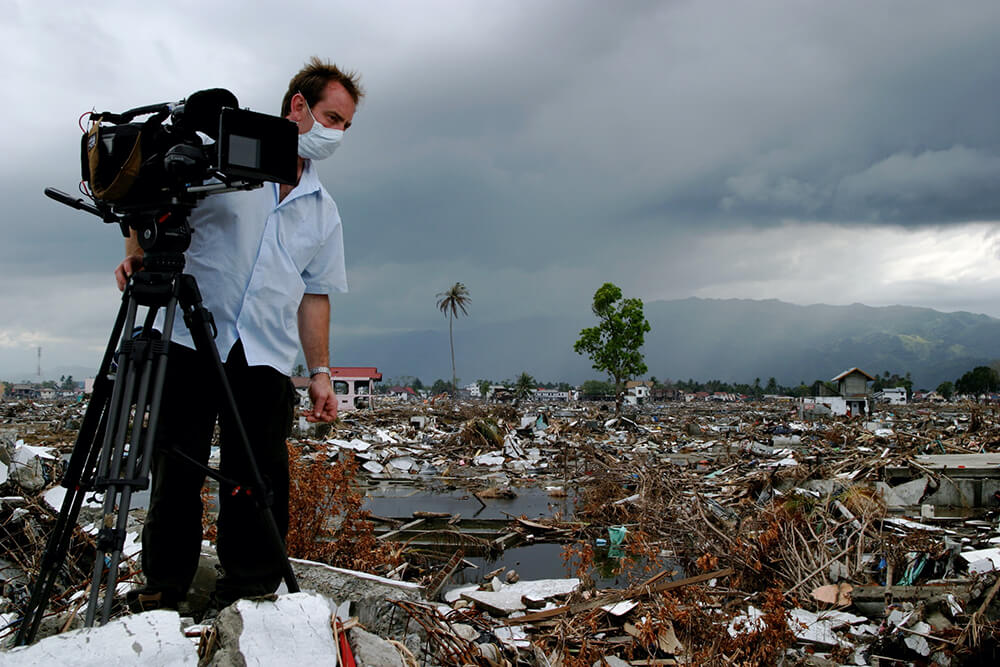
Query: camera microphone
(201, 110)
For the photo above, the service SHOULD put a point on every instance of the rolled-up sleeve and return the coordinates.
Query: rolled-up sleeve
(325, 273)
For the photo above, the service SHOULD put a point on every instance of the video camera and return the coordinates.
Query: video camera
(140, 173)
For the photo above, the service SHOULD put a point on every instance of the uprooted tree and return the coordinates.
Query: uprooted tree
(613, 345)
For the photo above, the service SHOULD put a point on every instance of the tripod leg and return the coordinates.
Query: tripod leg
(111, 447)
(81, 464)
(140, 450)
(199, 322)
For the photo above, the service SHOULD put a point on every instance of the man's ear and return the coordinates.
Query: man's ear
(298, 107)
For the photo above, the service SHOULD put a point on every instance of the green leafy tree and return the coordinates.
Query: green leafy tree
(450, 302)
(597, 388)
(484, 388)
(440, 387)
(525, 386)
(980, 380)
(299, 370)
(772, 386)
(68, 383)
(946, 389)
(613, 345)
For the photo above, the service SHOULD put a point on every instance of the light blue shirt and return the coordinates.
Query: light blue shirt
(254, 258)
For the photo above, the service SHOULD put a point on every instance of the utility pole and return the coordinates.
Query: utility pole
(39, 363)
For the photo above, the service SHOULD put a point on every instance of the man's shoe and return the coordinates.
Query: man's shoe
(144, 599)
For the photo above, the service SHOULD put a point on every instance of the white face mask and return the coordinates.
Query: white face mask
(319, 142)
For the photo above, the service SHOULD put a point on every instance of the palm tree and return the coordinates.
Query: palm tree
(450, 303)
(525, 386)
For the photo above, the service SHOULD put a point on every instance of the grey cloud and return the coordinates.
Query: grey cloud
(954, 184)
(535, 150)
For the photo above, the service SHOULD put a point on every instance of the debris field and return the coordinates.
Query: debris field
(679, 533)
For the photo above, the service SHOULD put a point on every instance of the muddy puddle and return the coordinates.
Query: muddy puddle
(398, 501)
(530, 561)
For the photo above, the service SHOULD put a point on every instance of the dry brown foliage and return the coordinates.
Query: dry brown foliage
(325, 519)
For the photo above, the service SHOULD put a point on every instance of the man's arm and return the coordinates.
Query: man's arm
(132, 261)
(314, 332)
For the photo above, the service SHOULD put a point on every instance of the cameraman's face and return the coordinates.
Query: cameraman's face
(335, 110)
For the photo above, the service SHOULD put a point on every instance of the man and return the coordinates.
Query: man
(266, 261)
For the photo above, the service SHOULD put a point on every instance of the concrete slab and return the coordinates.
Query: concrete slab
(294, 628)
(153, 638)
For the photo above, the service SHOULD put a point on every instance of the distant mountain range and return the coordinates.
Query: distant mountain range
(734, 340)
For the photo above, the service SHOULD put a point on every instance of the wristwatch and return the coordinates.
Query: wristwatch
(319, 369)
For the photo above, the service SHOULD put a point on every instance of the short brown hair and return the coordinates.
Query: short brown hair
(313, 79)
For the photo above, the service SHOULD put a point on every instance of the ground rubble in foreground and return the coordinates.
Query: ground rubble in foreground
(698, 533)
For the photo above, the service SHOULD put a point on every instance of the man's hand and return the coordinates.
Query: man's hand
(124, 271)
(323, 399)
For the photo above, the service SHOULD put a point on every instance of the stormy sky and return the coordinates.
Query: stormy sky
(815, 152)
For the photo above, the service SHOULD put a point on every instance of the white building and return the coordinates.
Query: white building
(892, 396)
(551, 395)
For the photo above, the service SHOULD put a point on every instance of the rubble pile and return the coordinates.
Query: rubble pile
(698, 533)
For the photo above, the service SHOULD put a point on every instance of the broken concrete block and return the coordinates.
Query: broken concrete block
(269, 632)
(26, 466)
(368, 594)
(908, 494)
(372, 650)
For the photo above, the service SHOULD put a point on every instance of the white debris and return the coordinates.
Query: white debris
(26, 465)
(494, 458)
(985, 560)
(620, 608)
(513, 636)
(752, 621)
(295, 626)
(153, 638)
(916, 641)
(816, 628)
(386, 436)
(404, 463)
(55, 496)
(508, 598)
(355, 444)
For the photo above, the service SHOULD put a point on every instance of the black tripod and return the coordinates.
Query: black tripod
(114, 447)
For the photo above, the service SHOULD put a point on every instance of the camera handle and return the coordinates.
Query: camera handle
(114, 449)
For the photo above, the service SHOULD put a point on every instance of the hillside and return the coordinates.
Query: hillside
(725, 339)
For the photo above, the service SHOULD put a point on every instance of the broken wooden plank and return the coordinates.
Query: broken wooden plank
(502, 541)
(408, 526)
(440, 577)
(615, 597)
(666, 640)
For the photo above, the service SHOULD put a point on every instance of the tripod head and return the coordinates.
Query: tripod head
(162, 231)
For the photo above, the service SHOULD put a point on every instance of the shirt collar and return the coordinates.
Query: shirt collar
(308, 184)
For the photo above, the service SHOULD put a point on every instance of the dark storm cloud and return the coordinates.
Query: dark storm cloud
(535, 149)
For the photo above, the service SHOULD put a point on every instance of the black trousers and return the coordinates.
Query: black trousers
(171, 536)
